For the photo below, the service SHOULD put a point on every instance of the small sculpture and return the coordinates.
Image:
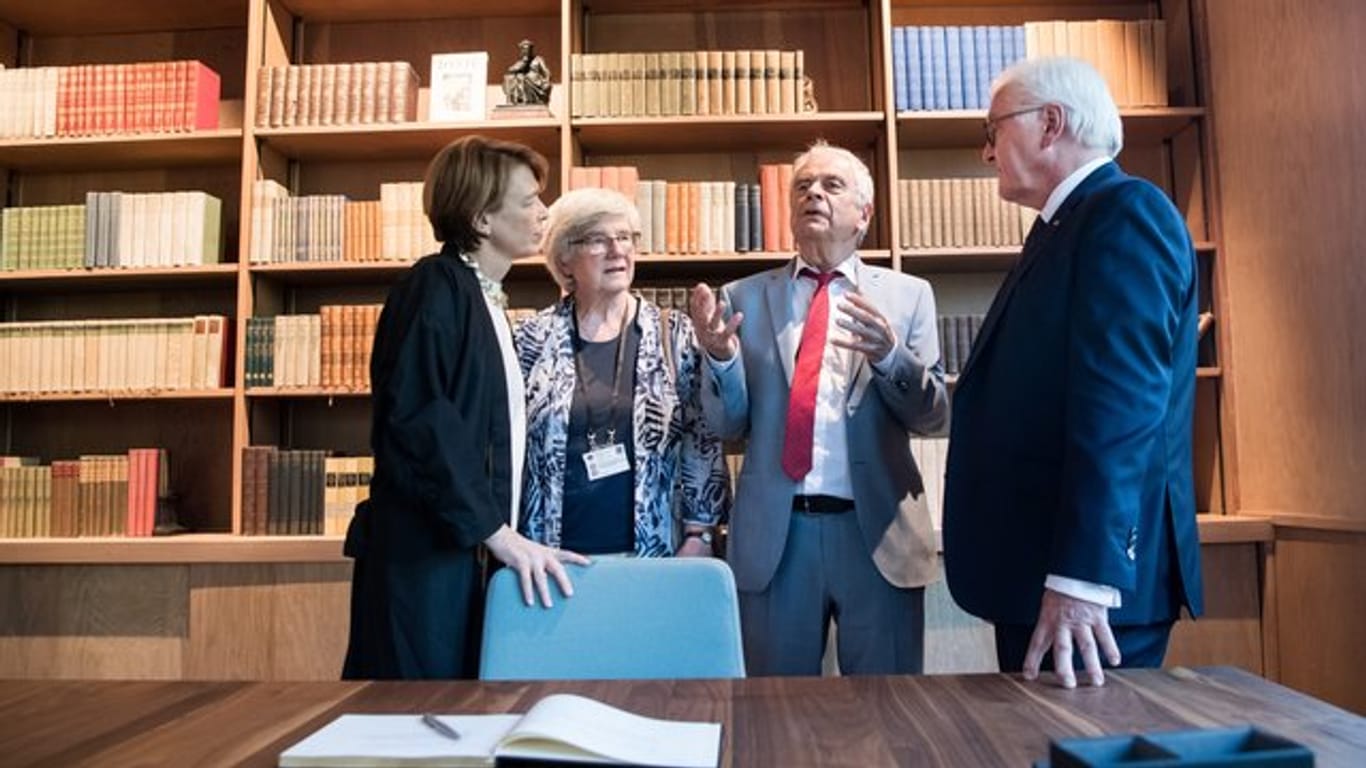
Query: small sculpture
(809, 95)
(527, 81)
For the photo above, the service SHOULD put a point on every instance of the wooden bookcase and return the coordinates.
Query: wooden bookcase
(848, 54)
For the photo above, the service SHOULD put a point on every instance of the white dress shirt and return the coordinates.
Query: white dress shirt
(512, 371)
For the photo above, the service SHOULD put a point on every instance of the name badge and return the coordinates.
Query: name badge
(606, 461)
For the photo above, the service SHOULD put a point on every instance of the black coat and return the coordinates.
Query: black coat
(442, 482)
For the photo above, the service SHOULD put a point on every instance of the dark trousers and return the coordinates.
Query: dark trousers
(827, 574)
(1140, 645)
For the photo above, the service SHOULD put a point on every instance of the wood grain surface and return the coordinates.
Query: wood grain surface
(961, 720)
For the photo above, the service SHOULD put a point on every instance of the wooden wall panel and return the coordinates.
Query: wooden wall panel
(310, 620)
(1230, 632)
(1321, 585)
(92, 621)
(1288, 110)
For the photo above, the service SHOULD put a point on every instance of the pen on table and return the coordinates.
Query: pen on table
(436, 724)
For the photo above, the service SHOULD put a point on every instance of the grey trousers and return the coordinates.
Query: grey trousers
(827, 574)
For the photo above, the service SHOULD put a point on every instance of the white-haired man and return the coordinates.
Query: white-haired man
(1069, 515)
(827, 365)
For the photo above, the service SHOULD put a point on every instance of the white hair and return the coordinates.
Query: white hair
(863, 178)
(573, 216)
(1092, 118)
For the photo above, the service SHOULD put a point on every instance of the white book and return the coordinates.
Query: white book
(458, 91)
(561, 727)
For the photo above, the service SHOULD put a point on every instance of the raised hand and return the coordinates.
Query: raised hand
(869, 332)
(716, 335)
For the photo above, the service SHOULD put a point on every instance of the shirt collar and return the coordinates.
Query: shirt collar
(848, 269)
(1060, 192)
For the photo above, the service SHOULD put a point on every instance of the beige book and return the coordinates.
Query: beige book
(659, 200)
(701, 75)
(645, 209)
(263, 86)
(728, 217)
(1159, 97)
(1134, 64)
(638, 86)
(290, 114)
(654, 84)
(314, 350)
(728, 82)
(609, 91)
(716, 86)
(704, 220)
(627, 85)
(384, 91)
(670, 86)
(687, 80)
(315, 94)
(576, 85)
(773, 83)
(369, 79)
(789, 88)
(903, 213)
(758, 83)
(327, 95)
(743, 90)
(345, 109)
(939, 211)
(799, 79)
(1110, 33)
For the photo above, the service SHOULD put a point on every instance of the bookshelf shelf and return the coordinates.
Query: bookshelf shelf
(102, 279)
(714, 133)
(700, 6)
(185, 548)
(229, 548)
(332, 273)
(277, 393)
(95, 17)
(109, 153)
(963, 128)
(403, 141)
(117, 397)
(350, 11)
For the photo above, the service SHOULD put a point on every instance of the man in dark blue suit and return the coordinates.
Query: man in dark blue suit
(1069, 515)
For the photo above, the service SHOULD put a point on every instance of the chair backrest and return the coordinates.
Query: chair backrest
(629, 618)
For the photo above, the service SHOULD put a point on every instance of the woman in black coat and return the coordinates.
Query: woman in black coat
(448, 429)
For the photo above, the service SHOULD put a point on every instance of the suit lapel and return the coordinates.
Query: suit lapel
(779, 299)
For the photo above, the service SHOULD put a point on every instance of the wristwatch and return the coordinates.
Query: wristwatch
(704, 536)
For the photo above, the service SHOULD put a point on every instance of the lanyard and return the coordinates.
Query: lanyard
(616, 382)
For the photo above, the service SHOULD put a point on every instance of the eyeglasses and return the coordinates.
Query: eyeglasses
(599, 243)
(989, 124)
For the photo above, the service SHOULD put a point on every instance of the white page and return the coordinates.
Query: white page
(596, 732)
(399, 740)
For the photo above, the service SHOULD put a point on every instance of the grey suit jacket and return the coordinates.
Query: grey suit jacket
(749, 397)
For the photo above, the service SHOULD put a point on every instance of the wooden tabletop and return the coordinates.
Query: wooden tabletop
(964, 720)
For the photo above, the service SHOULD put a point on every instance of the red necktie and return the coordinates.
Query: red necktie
(801, 405)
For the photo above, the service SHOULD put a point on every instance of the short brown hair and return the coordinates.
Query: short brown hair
(468, 178)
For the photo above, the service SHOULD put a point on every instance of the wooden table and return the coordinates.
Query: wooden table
(967, 720)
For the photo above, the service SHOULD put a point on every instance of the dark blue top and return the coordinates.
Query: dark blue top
(599, 516)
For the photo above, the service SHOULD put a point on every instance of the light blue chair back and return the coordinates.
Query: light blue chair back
(629, 618)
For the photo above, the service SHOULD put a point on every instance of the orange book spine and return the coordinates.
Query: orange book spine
(770, 192)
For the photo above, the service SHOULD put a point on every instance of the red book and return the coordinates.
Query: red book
(200, 98)
(785, 207)
(611, 177)
(770, 195)
(629, 180)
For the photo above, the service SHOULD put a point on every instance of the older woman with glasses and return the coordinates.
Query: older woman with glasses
(619, 459)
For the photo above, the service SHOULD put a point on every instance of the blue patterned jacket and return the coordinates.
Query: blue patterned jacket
(679, 468)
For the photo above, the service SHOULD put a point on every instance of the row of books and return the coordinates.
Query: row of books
(671, 298)
(331, 228)
(96, 495)
(114, 229)
(301, 492)
(330, 349)
(686, 83)
(957, 333)
(105, 99)
(951, 67)
(137, 355)
(1132, 55)
(336, 94)
(937, 213)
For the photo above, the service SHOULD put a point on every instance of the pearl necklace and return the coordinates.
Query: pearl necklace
(491, 288)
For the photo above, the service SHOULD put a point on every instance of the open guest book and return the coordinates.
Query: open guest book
(562, 728)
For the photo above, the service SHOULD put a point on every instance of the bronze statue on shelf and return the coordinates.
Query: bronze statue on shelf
(527, 81)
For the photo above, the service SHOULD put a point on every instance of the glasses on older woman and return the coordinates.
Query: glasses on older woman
(599, 243)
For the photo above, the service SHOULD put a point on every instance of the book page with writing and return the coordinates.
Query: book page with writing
(399, 740)
(577, 729)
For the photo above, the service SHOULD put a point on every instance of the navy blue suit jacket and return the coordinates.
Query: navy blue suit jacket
(1070, 443)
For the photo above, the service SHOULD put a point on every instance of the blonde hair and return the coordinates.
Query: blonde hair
(573, 216)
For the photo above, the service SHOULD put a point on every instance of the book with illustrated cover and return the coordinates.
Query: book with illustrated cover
(459, 87)
(560, 728)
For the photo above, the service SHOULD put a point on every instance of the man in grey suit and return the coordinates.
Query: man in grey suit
(830, 521)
